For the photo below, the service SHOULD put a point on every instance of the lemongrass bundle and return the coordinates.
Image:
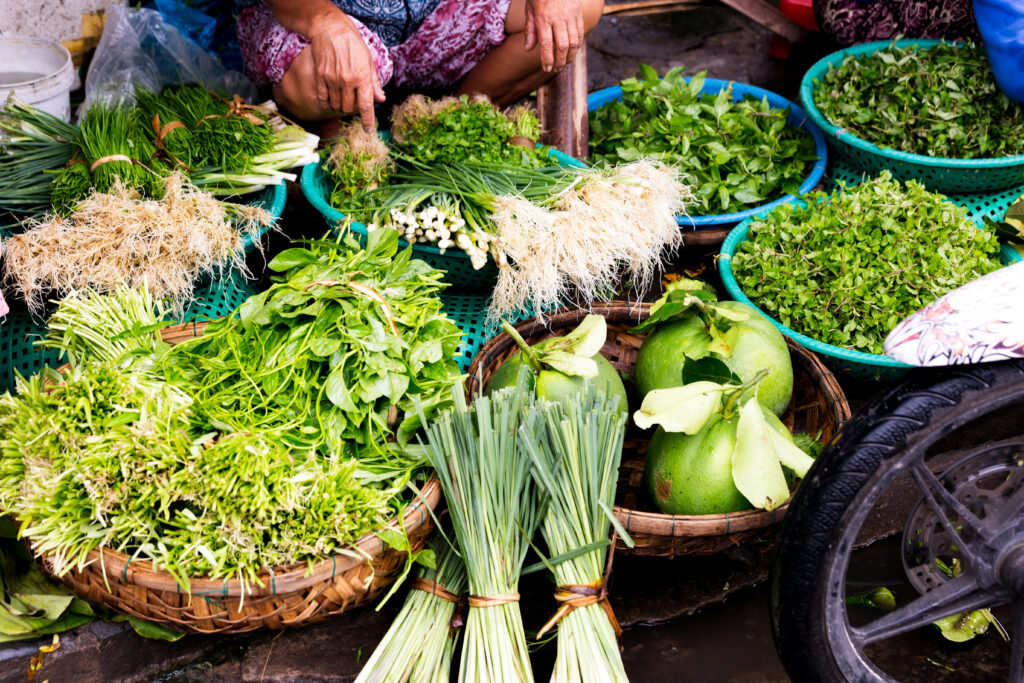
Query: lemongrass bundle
(576, 449)
(121, 238)
(494, 508)
(575, 248)
(419, 646)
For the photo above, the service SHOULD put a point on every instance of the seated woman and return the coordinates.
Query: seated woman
(329, 57)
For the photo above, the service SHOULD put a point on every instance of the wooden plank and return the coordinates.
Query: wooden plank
(769, 17)
(704, 238)
(562, 106)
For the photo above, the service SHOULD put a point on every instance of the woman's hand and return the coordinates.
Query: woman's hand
(346, 77)
(557, 27)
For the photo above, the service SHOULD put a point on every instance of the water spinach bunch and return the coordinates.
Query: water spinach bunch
(737, 154)
(941, 101)
(845, 268)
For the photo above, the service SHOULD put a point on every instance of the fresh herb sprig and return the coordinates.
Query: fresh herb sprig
(941, 101)
(847, 267)
(738, 154)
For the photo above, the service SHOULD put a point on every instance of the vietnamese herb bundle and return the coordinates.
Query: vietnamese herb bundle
(494, 508)
(122, 238)
(453, 130)
(847, 267)
(114, 144)
(576, 449)
(941, 101)
(32, 142)
(736, 154)
(419, 646)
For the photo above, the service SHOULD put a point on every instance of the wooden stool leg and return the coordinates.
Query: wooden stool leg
(562, 105)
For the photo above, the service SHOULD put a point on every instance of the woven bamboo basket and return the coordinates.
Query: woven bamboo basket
(290, 596)
(818, 404)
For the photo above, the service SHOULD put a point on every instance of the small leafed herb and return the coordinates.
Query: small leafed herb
(738, 154)
(846, 268)
(941, 101)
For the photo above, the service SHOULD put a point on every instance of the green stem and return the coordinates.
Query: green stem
(528, 354)
(727, 409)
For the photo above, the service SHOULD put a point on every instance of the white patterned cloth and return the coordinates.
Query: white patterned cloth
(981, 322)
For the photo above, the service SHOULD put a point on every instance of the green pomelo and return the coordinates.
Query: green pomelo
(659, 363)
(692, 475)
(755, 343)
(556, 386)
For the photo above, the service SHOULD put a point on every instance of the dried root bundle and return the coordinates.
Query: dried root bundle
(120, 238)
(574, 251)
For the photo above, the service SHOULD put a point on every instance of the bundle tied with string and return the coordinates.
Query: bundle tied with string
(495, 508)
(576, 449)
(419, 646)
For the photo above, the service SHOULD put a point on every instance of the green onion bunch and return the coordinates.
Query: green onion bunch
(419, 646)
(32, 142)
(114, 144)
(576, 449)
(70, 185)
(494, 508)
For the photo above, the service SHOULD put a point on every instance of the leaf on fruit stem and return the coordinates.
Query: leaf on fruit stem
(680, 409)
(755, 463)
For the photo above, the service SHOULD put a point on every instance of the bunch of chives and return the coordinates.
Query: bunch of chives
(418, 647)
(576, 449)
(32, 143)
(114, 145)
(494, 509)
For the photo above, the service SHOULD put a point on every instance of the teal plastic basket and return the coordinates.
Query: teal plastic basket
(856, 364)
(459, 272)
(936, 173)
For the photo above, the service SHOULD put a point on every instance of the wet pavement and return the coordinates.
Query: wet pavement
(693, 619)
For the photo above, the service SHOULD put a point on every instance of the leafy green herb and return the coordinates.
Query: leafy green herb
(941, 101)
(847, 267)
(739, 154)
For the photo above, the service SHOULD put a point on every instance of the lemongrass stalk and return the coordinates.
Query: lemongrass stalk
(494, 508)
(419, 646)
(576, 450)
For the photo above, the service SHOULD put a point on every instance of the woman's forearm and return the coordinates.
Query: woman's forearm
(309, 17)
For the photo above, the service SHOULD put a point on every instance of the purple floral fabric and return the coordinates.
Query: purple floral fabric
(850, 22)
(446, 46)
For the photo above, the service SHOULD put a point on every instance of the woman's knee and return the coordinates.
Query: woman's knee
(592, 12)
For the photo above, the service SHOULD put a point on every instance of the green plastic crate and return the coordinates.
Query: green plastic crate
(468, 310)
(936, 173)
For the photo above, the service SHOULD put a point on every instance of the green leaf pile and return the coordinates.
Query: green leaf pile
(846, 268)
(738, 154)
(941, 101)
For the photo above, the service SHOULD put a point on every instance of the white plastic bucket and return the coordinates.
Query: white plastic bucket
(39, 72)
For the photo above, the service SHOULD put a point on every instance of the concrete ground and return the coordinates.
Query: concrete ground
(697, 619)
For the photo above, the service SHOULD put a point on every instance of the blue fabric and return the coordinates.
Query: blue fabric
(392, 20)
(1001, 23)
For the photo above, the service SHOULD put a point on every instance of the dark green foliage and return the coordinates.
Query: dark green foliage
(941, 101)
(846, 268)
(737, 154)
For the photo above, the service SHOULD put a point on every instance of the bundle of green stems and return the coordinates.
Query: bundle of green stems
(32, 143)
(419, 646)
(494, 509)
(576, 449)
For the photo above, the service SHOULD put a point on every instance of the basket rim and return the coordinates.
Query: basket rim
(280, 580)
(738, 235)
(797, 117)
(656, 523)
(311, 172)
(843, 136)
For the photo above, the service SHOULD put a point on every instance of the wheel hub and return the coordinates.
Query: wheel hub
(982, 482)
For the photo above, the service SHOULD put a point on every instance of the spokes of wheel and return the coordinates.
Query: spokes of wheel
(960, 594)
(938, 498)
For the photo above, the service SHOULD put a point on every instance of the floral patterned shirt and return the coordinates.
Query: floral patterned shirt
(391, 20)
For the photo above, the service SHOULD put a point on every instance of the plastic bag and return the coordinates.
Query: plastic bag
(1001, 23)
(3, 304)
(139, 48)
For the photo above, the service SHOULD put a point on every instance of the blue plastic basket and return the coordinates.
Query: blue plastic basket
(797, 118)
(857, 364)
(935, 173)
(459, 272)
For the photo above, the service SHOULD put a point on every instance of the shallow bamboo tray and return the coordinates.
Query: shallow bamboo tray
(818, 403)
(291, 596)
